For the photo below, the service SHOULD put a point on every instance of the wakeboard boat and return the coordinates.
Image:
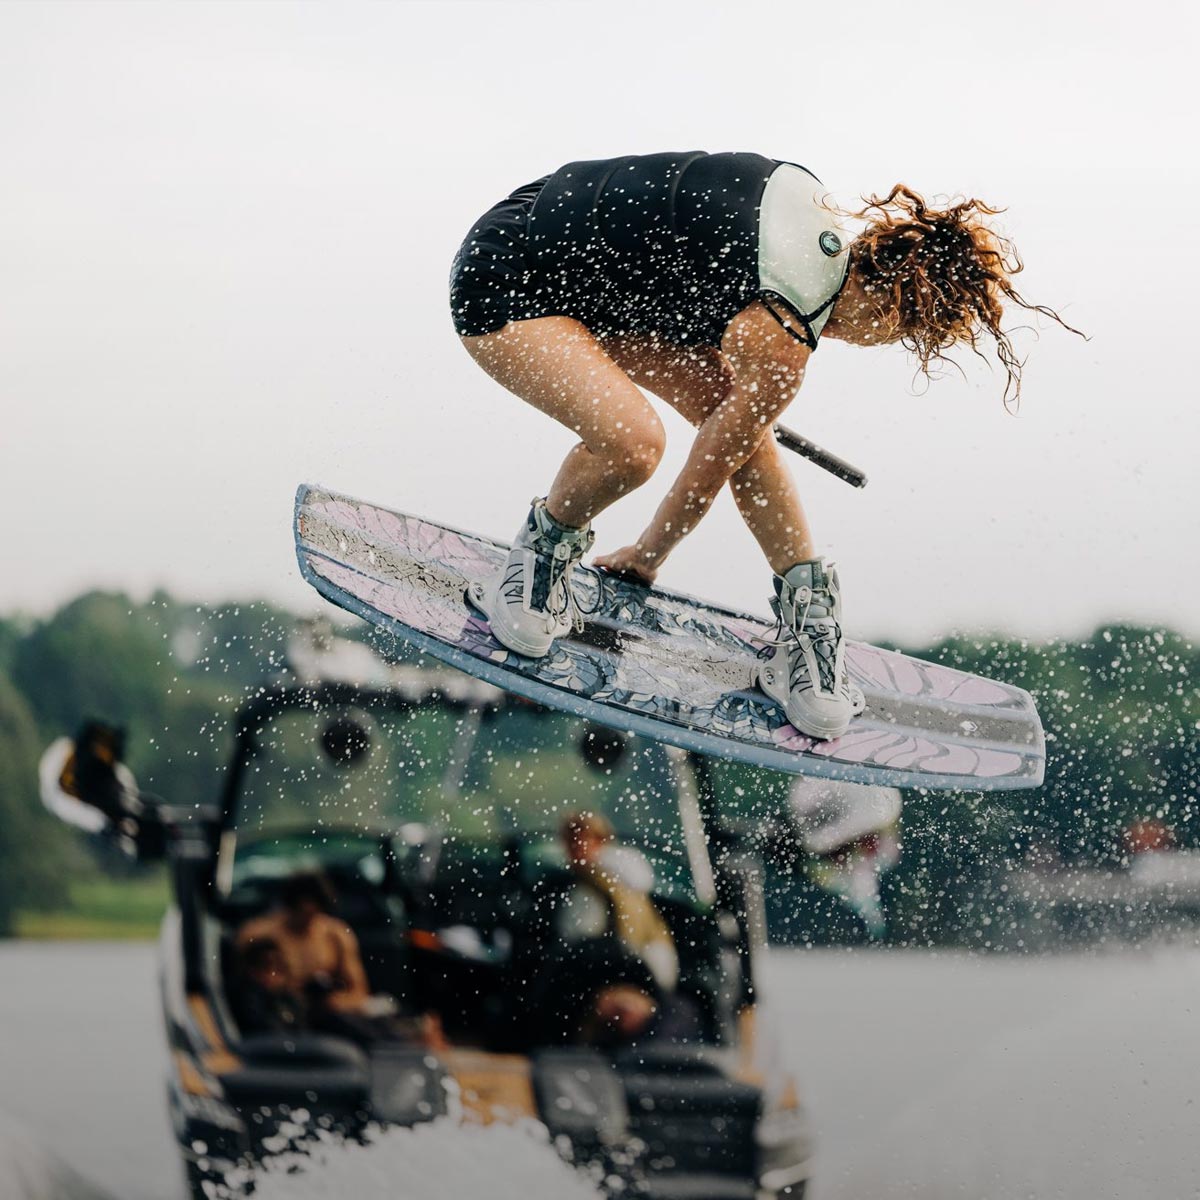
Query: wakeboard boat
(431, 803)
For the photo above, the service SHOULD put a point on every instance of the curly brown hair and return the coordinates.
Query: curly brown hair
(945, 274)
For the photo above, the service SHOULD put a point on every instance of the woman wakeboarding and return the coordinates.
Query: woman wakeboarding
(707, 280)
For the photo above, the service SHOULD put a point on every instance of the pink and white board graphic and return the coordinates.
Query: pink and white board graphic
(666, 666)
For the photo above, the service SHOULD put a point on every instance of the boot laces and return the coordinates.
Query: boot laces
(824, 635)
(553, 590)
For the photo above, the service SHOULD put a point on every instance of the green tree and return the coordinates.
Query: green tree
(34, 852)
(170, 673)
(95, 657)
(11, 632)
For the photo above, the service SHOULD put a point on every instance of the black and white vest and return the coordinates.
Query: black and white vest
(678, 244)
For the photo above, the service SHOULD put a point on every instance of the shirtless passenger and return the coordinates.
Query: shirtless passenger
(319, 952)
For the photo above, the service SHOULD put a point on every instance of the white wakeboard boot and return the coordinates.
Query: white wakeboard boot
(805, 673)
(530, 601)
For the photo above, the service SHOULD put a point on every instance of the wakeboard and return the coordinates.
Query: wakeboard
(663, 665)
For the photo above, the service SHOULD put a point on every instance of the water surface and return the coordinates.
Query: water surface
(929, 1076)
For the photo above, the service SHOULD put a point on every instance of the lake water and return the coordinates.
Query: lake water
(929, 1077)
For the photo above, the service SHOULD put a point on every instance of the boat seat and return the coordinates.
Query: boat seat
(298, 1072)
(300, 1050)
(669, 1057)
(702, 1123)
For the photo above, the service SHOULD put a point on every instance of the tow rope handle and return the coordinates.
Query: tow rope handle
(790, 440)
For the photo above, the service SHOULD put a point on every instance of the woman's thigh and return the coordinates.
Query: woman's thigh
(693, 380)
(560, 368)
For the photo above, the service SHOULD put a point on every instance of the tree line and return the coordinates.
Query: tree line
(1121, 710)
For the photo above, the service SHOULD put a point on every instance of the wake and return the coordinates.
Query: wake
(441, 1160)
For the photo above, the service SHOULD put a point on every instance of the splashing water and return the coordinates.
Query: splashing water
(442, 1160)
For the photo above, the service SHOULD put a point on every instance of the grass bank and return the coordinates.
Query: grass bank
(103, 908)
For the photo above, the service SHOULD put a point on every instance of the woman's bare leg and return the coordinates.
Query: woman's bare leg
(819, 703)
(694, 381)
(558, 366)
(766, 497)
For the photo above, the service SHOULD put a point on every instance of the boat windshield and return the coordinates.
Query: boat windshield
(281, 853)
(454, 788)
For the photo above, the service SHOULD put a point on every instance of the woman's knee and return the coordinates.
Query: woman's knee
(764, 461)
(636, 453)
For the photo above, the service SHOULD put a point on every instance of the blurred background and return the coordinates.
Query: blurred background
(224, 247)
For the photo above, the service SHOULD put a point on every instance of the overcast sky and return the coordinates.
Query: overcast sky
(225, 232)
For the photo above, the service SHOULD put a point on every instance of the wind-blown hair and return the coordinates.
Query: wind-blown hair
(943, 274)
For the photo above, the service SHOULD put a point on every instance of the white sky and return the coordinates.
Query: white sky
(225, 232)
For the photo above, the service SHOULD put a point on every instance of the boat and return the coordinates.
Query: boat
(431, 803)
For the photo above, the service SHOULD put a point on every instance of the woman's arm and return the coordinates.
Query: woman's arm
(769, 364)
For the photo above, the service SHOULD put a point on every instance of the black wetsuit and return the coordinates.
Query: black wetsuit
(656, 243)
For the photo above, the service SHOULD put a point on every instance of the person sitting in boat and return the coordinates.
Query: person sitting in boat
(318, 953)
(706, 279)
(265, 997)
(302, 969)
(632, 993)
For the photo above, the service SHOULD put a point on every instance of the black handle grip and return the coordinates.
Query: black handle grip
(790, 440)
